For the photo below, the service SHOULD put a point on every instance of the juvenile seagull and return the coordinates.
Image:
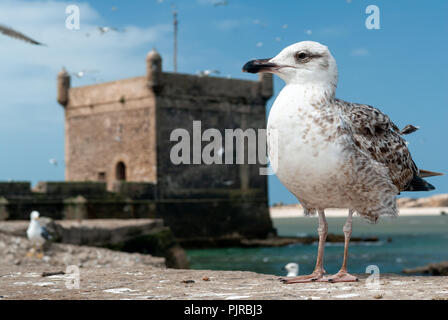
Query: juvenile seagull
(18, 35)
(37, 235)
(331, 153)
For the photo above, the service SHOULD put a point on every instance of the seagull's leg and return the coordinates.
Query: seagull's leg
(343, 275)
(319, 271)
(40, 253)
(31, 252)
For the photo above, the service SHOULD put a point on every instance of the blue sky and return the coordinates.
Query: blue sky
(401, 68)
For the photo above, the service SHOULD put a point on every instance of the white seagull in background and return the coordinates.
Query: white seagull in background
(292, 269)
(206, 73)
(331, 153)
(83, 73)
(103, 30)
(18, 35)
(37, 235)
(53, 162)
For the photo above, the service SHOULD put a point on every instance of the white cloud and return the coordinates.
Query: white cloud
(31, 121)
(33, 69)
(360, 52)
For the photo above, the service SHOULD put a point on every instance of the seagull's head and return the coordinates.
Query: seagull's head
(292, 269)
(300, 63)
(34, 215)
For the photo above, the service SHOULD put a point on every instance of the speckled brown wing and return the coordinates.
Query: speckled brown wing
(375, 134)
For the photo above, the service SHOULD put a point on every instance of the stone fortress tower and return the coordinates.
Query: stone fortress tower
(119, 132)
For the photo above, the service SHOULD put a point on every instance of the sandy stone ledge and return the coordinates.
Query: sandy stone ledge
(20, 282)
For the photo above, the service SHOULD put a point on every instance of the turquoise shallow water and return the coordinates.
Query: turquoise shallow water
(415, 241)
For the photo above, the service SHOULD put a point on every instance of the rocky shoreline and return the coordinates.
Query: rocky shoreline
(13, 252)
(145, 236)
(274, 241)
(434, 269)
(438, 200)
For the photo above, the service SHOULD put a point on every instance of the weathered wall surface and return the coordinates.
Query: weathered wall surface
(197, 219)
(217, 103)
(107, 124)
(211, 200)
(79, 200)
(16, 188)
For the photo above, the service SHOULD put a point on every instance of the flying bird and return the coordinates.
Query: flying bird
(53, 162)
(37, 235)
(220, 3)
(331, 153)
(18, 35)
(82, 73)
(103, 30)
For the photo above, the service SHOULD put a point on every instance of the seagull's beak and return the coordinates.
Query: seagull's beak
(260, 65)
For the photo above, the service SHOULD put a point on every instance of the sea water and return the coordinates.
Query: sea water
(404, 242)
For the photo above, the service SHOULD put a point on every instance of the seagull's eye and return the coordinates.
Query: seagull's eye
(301, 55)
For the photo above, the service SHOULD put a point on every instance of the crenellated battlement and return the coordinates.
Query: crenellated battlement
(159, 83)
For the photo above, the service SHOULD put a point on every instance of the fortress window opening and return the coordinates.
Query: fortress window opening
(120, 171)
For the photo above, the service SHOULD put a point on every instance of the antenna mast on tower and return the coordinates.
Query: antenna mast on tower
(175, 22)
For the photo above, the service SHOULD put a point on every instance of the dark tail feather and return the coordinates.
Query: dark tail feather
(408, 129)
(418, 184)
(425, 173)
